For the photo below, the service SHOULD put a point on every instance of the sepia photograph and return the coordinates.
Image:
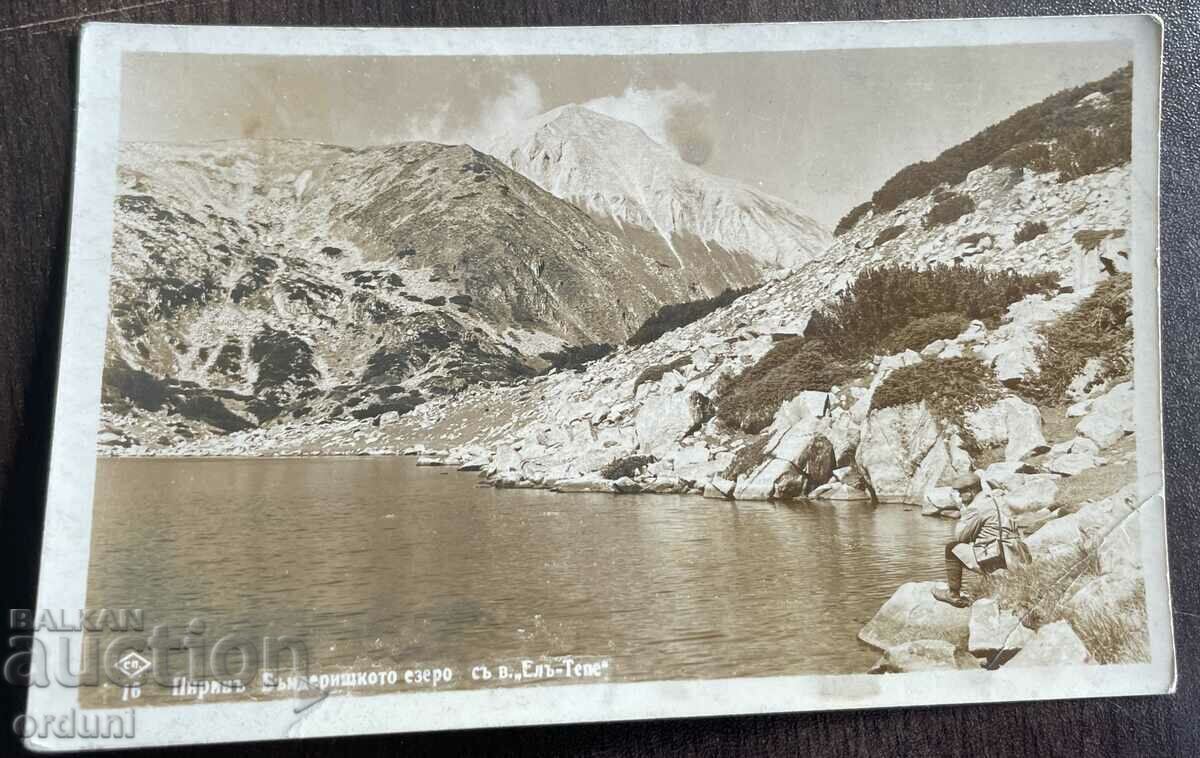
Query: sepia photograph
(485, 368)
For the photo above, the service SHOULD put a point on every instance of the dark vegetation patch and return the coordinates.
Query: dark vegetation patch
(629, 466)
(329, 251)
(463, 300)
(884, 300)
(1030, 230)
(1090, 239)
(656, 372)
(887, 309)
(261, 271)
(575, 357)
(380, 311)
(889, 234)
(749, 401)
(315, 295)
(951, 387)
(746, 459)
(211, 411)
(1099, 327)
(229, 359)
(852, 217)
(401, 405)
(387, 366)
(677, 315)
(1084, 140)
(171, 294)
(436, 301)
(974, 238)
(124, 386)
(285, 364)
(948, 207)
(922, 331)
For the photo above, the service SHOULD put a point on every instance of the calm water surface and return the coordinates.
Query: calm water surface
(375, 562)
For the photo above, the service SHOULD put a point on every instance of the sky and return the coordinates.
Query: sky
(821, 129)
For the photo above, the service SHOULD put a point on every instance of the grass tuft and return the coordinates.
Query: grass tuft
(1099, 327)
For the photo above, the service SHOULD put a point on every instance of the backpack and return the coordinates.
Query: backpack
(995, 539)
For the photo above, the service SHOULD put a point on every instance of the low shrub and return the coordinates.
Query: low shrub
(674, 316)
(630, 466)
(883, 300)
(746, 459)
(1052, 135)
(974, 239)
(654, 373)
(1090, 239)
(889, 234)
(1116, 634)
(750, 400)
(919, 332)
(1032, 155)
(948, 208)
(852, 218)
(1030, 230)
(575, 357)
(1099, 327)
(1037, 592)
(950, 387)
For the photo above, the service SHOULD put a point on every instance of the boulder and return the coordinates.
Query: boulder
(838, 491)
(507, 459)
(1085, 379)
(818, 462)
(995, 634)
(893, 444)
(952, 350)
(1110, 417)
(912, 613)
(923, 655)
(1073, 463)
(584, 484)
(1104, 594)
(666, 486)
(941, 501)
(1012, 422)
(719, 489)
(1075, 410)
(626, 486)
(665, 419)
(1022, 493)
(974, 332)
(760, 483)
(934, 349)
(1054, 645)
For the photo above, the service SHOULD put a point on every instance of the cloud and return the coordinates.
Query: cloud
(679, 117)
(522, 101)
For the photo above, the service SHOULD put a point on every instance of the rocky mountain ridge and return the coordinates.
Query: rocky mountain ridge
(264, 279)
(723, 231)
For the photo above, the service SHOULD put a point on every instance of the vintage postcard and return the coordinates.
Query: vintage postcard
(432, 379)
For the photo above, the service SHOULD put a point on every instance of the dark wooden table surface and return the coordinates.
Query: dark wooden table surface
(37, 70)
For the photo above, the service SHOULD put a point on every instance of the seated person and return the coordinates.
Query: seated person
(985, 540)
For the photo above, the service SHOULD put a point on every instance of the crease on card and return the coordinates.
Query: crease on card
(304, 711)
(1073, 571)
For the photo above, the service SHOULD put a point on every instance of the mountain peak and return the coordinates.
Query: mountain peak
(615, 171)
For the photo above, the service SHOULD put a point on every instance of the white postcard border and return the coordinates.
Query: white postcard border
(67, 537)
